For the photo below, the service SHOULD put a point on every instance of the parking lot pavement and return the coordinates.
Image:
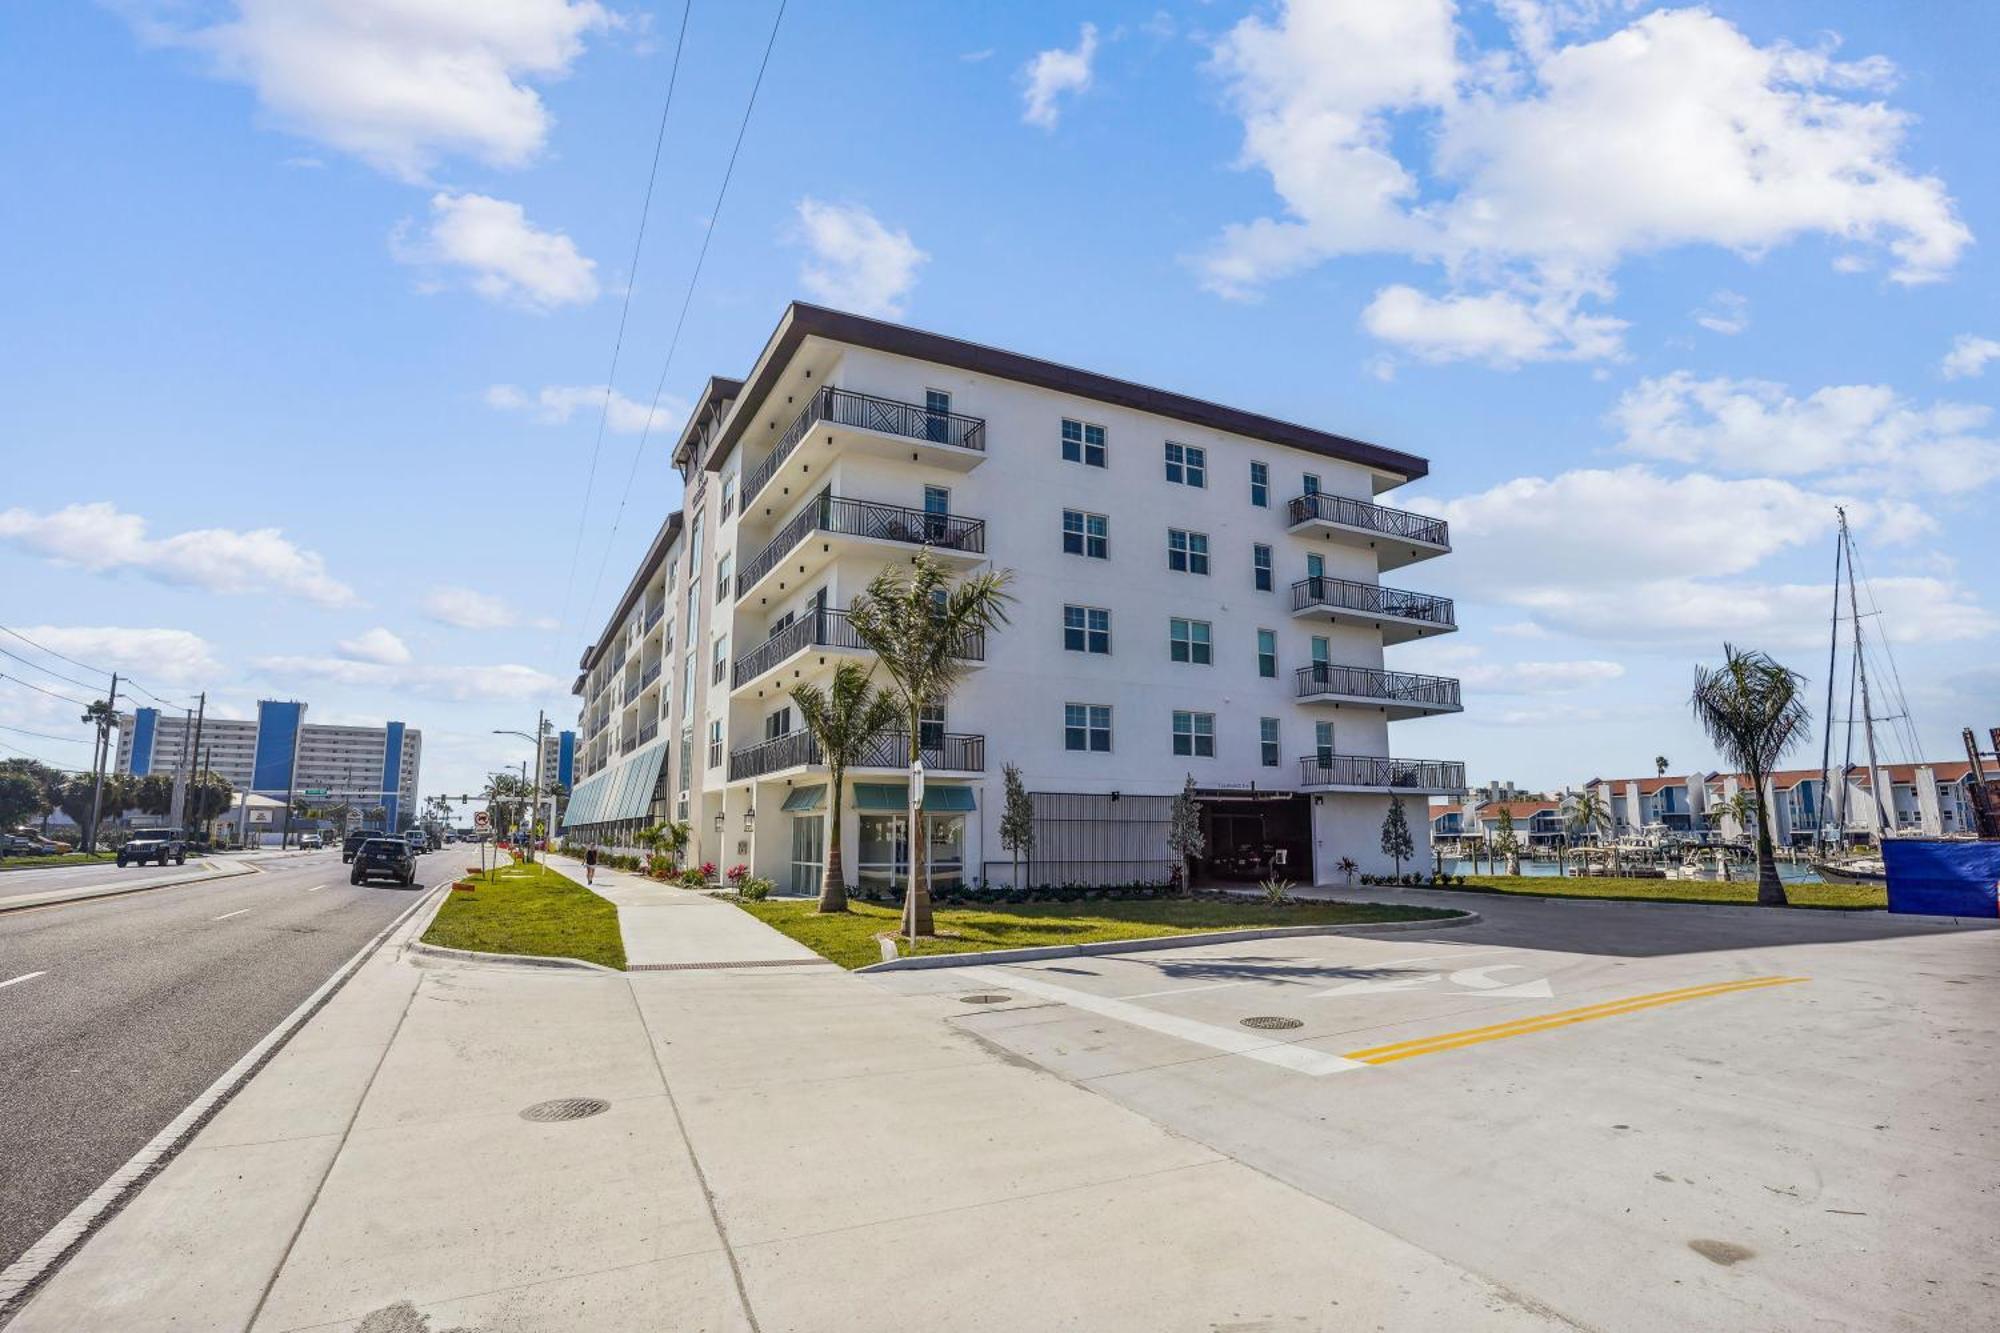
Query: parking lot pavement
(1643, 1117)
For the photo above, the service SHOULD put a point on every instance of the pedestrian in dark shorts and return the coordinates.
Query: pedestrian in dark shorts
(590, 866)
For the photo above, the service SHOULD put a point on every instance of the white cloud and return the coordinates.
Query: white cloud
(1727, 313)
(1551, 162)
(1688, 612)
(377, 645)
(508, 259)
(1540, 677)
(463, 608)
(1968, 356)
(398, 83)
(555, 404)
(104, 539)
(1054, 73)
(976, 57)
(1497, 327)
(456, 684)
(1867, 434)
(856, 263)
(158, 657)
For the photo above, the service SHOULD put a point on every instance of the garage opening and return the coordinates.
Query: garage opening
(1254, 835)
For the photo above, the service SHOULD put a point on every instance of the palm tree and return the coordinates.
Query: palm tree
(1587, 813)
(845, 720)
(1660, 764)
(918, 624)
(1754, 710)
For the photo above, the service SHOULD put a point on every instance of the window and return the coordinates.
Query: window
(722, 564)
(1188, 641)
(728, 495)
(937, 416)
(721, 665)
(1087, 727)
(1312, 484)
(1194, 734)
(930, 727)
(1315, 566)
(1323, 743)
(778, 724)
(1267, 654)
(1187, 552)
(1082, 443)
(715, 743)
(1260, 566)
(1086, 629)
(1260, 485)
(1187, 464)
(1267, 741)
(1086, 534)
(687, 684)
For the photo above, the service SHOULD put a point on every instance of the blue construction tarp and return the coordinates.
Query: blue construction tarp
(1940, 878)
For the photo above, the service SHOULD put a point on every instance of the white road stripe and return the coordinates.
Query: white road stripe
(1233, 1041)
(226, 915)
(315, 888)
(25, 976)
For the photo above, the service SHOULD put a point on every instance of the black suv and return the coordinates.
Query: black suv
(389, 857)
(154, 844)
(352, 843)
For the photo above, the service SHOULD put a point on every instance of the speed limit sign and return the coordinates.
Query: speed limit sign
(480, 819)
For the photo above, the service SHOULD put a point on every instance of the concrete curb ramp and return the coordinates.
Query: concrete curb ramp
(1149, 943)
(537, 961)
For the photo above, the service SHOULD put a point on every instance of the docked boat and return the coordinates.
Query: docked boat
(1853, 870)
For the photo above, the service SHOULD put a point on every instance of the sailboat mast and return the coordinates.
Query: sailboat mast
(1884, 825)
(1829, 808)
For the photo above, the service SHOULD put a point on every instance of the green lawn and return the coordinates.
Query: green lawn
(1838, 896)
(849, 938)
(530, 910)
(67, 859)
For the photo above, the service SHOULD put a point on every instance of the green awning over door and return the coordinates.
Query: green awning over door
(800, 800)
(895, 797)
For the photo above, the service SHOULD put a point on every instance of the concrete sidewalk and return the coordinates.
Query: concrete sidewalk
(778, 1148)
(666, 926)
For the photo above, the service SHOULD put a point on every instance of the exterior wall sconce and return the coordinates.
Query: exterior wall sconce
(718, 821)
(750, 820)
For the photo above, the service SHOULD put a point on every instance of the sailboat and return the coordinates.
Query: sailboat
(1831, 864)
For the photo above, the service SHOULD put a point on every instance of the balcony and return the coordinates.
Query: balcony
(1359, 772)
(1397, 536)
(831, 630)
(838, 523)
(1400, 615)
(953, 753)
(1399, 694)
(654, 614)
(647, 732)
(880, 426)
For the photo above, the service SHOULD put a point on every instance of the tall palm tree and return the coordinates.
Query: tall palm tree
(1586, 814)
(1754, 710)
(917, 624)
(1660, 764)
(845, 719)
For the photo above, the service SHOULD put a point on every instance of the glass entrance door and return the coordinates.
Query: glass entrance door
(808, 854)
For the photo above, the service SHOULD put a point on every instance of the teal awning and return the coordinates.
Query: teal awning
(895, 796)
(802, 799)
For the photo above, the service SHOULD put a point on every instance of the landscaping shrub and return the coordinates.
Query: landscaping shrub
(753, 888)
(693, 879)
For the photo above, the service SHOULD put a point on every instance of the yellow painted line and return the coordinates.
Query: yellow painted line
(1449, 1041)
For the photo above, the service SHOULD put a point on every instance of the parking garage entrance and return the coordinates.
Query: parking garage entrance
(1255, 835)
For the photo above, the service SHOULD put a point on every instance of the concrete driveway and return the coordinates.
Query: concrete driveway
(1640, 1117)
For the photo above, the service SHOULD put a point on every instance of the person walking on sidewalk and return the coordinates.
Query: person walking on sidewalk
(590, 866)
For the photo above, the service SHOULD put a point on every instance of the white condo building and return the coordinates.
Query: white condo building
(1198, 592)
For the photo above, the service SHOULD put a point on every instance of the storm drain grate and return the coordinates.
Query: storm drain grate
(566, 1108)
(984, 999)
(1272, 1022)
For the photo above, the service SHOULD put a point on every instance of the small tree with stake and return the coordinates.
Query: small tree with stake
(1397, 844)
(1017, 821)
(1184, 836)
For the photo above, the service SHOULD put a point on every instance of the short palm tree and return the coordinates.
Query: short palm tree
(918, 623)
(1586, 813)
(845, 719)
(1754, 710)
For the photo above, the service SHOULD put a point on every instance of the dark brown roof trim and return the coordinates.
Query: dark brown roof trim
(804, 321)
(719, 390)
(656, 555)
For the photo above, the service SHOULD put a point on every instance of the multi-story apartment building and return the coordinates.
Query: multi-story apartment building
(1197, 592)
(1651, 805)
(278, 754)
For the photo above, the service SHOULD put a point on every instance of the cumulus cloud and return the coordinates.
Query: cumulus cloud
(464, 608)
(452, 684)
(555, 404)
(104, 539)
(1867, 434)
(377, 645)
(1691, 612)
(1968, 357)
(398, 83)
(1535, 170)
(855, 262)
(158, 657)
(501, 255)
(1727, 313)
(1055, 74)
(1498, 327)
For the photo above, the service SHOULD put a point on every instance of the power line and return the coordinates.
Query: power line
(51, 693)
(687, 299)
(100, 671)
(25, 754)
(43, 735)
(39, 667)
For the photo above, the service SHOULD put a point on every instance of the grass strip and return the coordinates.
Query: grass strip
(532, 911)
(1831, 897)
(848, 938)
(65, 859)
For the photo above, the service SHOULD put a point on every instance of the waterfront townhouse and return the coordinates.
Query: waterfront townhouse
(1198, 594)
(1657, 804)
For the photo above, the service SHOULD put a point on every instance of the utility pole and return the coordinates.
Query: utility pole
(535, 806)
(200, 714)
(178, 805)
(103, 755)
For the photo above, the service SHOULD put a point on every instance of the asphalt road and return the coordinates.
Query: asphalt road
(21, 883)
(118, 1012)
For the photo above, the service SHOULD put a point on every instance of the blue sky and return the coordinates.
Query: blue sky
(309, 307)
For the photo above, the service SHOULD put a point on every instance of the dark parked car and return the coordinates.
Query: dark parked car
(154, 844)
(352, 843)
(384, 857)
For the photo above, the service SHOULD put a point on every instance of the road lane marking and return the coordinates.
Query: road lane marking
(1231, 1041)
(226, 915)
(25, 976)
(315, 888)
(1451, 1041)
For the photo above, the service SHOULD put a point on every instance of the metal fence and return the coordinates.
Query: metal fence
(1093, 838)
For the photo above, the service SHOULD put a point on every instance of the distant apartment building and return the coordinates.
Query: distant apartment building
(278, 754)
(1651, 805)
(1538, 822)
(1198, 595)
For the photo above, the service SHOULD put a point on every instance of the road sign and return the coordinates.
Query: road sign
(480, 819)
(314, 791)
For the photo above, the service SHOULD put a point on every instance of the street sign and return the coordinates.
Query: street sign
(480, 819)
(314, 791)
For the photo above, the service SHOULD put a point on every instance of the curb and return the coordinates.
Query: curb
(507, 959)
(1860, 916)
(1148, 944)
(55, 897)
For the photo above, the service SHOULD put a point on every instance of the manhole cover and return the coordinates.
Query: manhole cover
(566, 1108)
(984, 999)
(1272, 1021)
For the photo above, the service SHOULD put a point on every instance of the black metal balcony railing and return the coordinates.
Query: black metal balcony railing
(1359, 770)
(953, 752)
(653, 614)
(629, 744)
(1323, 678)
(1373, 517)
(822, 629)
(647, 732)
(650, 674)
(1371, 599)
(843, 407)
(865, 518)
